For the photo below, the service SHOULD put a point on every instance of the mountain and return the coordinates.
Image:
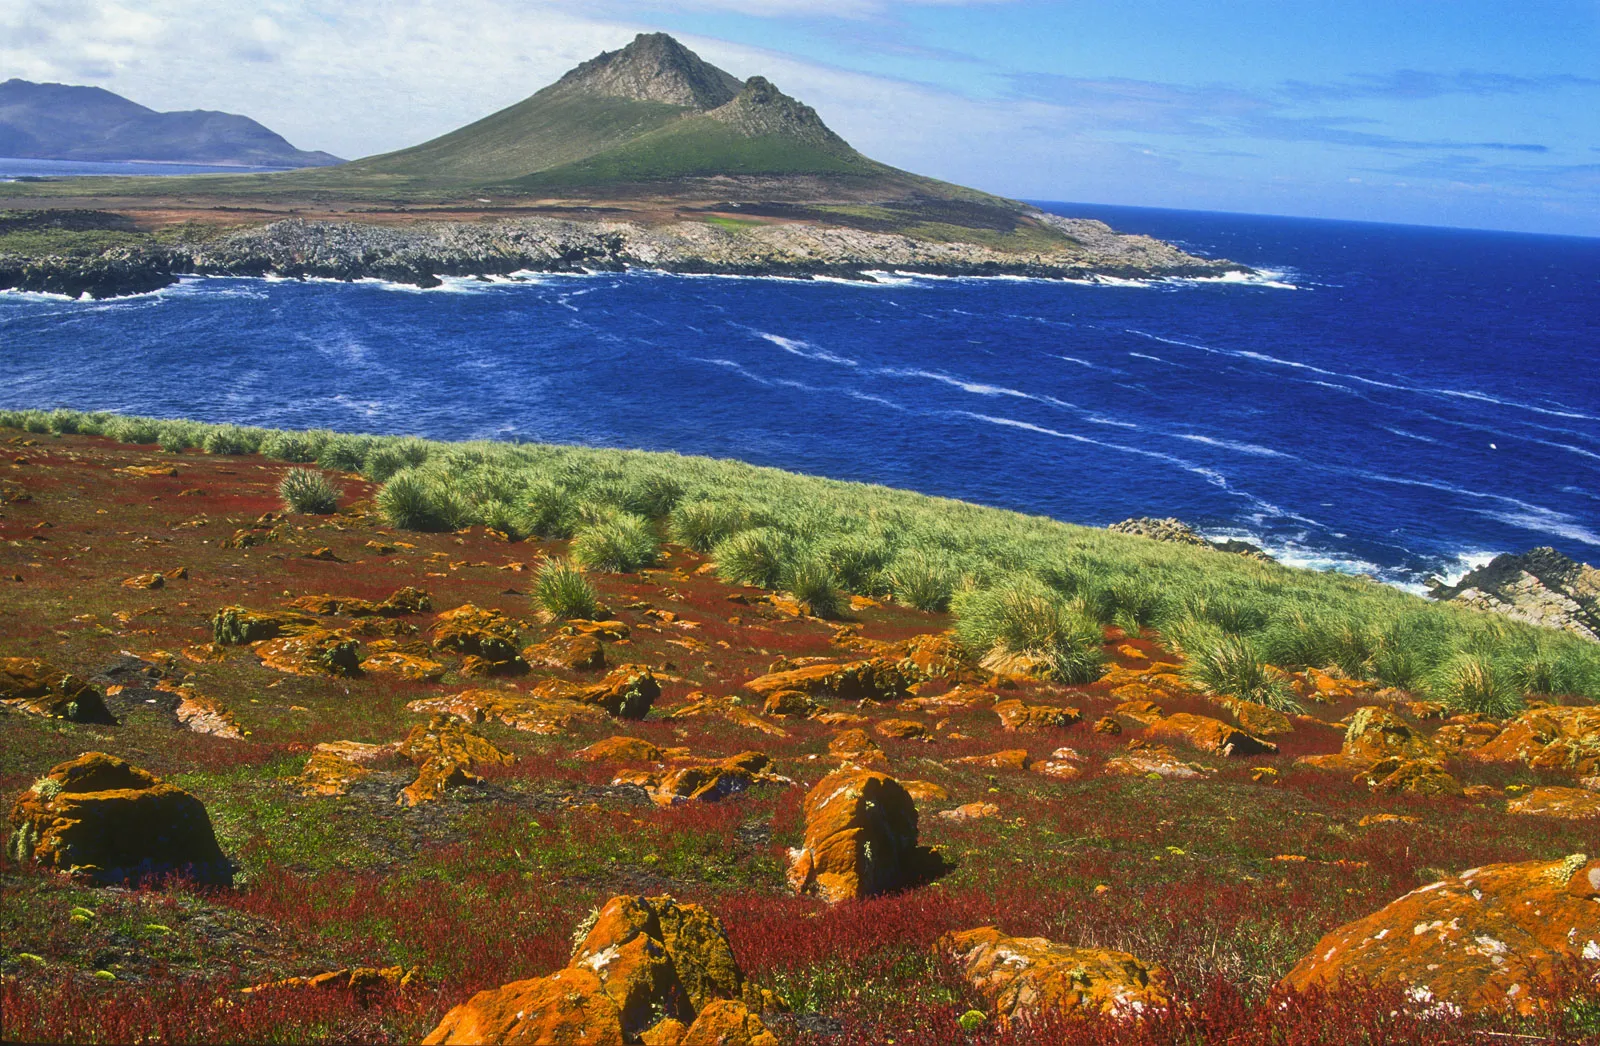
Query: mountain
(646, 116)
(64, 122)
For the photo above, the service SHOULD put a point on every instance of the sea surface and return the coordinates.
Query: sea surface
(12, 168)
(1392, 400)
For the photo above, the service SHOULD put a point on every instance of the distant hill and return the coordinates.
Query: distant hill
(63, 122)
(644, 117)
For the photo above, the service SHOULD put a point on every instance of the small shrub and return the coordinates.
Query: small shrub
(652, 497)
(1469, 682)
(307, 490)
(298, 447)
(858, 562)
(547, 511)
(1023, 616)
(752, 557)
(921, 581)
(392, 456)
(1224, 663)
(619, 545)
(344, 453)
(811, 582)
(412, 501)
(35, 421)
(562, 591)
(701, 525)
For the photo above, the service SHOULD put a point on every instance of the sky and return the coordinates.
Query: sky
(1437, 112)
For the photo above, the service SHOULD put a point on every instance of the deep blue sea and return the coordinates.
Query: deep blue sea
(12, 168)
(1387, 399)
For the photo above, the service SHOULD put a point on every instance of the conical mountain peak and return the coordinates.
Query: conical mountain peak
(655, 68)
(761, 109)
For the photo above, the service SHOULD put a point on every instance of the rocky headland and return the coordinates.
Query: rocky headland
(423, 252)
(1541, 587)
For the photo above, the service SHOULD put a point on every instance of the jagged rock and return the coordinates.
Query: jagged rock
(579, 653)
(879, 680)
(484, 634)
(1027, 977)
(1177, 532)
(406, 666)
(1466, 732)
(37, 687)
(860, 838)
(1541, 586)
(317, 652)
(1256, 718)
(1375, 734)
(405, 601)
(790, 704)
(206, 715)
(970, 812)
(1414, 776)
(703, 782)
(364, 982)
(1208, 735)
(1064, 764)
(641, 963)
(1028, 719)
(1483, 940)
(1556, 738)
(1575, 804)
(105, 821)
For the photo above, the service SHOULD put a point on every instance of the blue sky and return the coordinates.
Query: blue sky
(1463, 113)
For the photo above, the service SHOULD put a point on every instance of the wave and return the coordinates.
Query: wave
(805, 349)
(1544, 521)
(1158, 359)
(1226, 444)
(1212, 476)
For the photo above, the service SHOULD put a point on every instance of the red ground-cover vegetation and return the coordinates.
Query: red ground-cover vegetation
(1226, 880)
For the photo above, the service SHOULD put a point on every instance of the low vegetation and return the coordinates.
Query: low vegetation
(766, 528)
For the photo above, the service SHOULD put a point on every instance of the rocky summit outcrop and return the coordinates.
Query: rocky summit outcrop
(103, 820)
(422, 252)
(645, 970)
(1486, 939)
(36, 687)
(1541, 586)
(1026, 977)
(860, 840)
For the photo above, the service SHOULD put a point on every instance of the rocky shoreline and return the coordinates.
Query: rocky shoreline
(421, 253)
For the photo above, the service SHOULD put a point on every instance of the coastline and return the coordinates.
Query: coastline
(420, 254)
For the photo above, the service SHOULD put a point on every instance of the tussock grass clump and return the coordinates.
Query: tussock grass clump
(700, 525)
(1227, 664)
(563, 593)
(308, 491)
(921, 581)
(753, 557)
(344, 453)
(413, 501)
(1023, 616)
(811, 582)
(859, 562)
(1470, 682)
(301, 448)
(230, 439)
(618, 545)
(547, 511)
(137, 431)
(63, 421)
(389, 458)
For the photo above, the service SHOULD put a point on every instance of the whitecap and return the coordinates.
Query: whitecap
(805, 349)
(1226, 444)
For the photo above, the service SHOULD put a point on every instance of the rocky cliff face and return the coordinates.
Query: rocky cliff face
(1541, 586)
(761, 109)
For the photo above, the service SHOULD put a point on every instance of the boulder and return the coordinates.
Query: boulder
(790, 704)
(1208, 735)
(1155, 761)
(1575, 804)
(1483, 940)
(902, 730)
(621, 750)
(1024, 978)
(406, 666)
(235, 626)
(1412, 776)
(335, 765)
(1029, 719)
(536, 715)
(484, 634)
(1008, 759)
(36, 687)
(316, 652)
(850, 743)
(206, 715)
(970, 812)
(1540, 586)
(860, 839)
(878, 679)
(1256, 718)
(1145, 713)
(1554, 738)
(1375, 734)
(447, 755)
(1465, 732)
(627, 692)
(1064, 764)
(644, 970)
(705, 782)
(576, 653)
(105, 821)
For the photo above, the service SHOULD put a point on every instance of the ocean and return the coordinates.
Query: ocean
(12, 168)
(1390, 400)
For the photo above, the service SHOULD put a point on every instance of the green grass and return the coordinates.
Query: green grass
(563, 593)
(308, 491)
(765, 522)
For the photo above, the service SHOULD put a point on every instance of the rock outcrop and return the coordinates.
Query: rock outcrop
(36, 687)
(1027, 977)
(1486, 939)
(103, 820)
(1555, 738)
(1177, 532)
(646, 969)
(861, 838)
(1541, 587)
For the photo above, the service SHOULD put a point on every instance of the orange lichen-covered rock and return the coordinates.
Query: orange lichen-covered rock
(236, 625)
(879, 679)
(627, 692)
(39, 688)
(577, 653)
(852, 743)
(1009, 759)
(709, 782)
(1256, 718)
(1483, 940)
(1145, 712)
(447, 754)
(1026, 977)
(1155, 761)
(1462, 733)
(926, 791)
(335, 765)
(1577, 804)
(902, 729)
(970, 812)
(1373, 735)
(145, 581)
(314, 653)
(1208, 735)
(476, 632)
(1555, 738)
(860, 839)
(645, 970)
(206, 715)
(1014, 715)
(103, 820)
(621, 750)
(790, 704)
(406, 666)
(536, 715)
(1414, 776)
